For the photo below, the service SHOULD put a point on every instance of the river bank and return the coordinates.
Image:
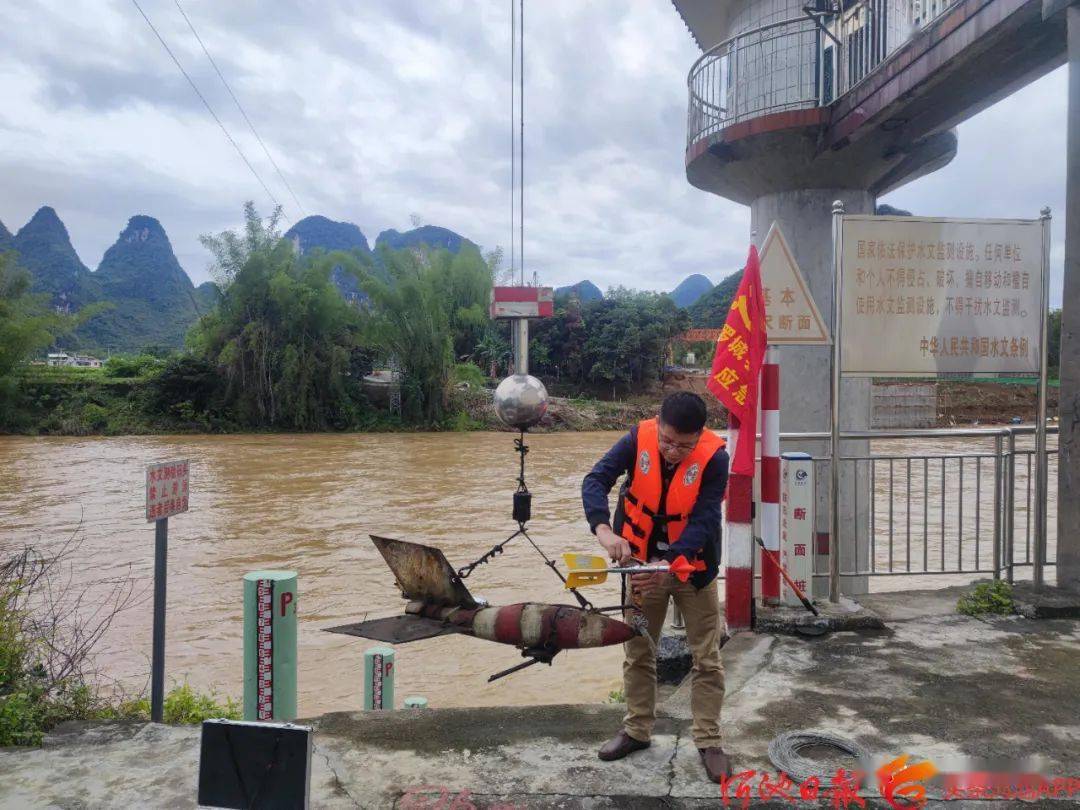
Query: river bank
(954, 690)
(102, 406)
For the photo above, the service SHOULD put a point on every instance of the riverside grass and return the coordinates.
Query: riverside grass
(994, 598)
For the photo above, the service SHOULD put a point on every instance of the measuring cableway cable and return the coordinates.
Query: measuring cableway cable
(210, 109)
(240, 107)
(513, 139)
(785, 747)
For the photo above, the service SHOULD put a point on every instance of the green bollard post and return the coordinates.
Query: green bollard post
(379, 678)
(270, 645)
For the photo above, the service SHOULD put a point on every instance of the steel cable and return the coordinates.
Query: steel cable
(239, 106)
(210, 110)
(785, 747)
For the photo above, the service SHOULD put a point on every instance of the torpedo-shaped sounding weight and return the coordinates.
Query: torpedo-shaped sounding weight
(532, 624)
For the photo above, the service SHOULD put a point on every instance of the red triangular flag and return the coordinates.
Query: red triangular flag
(740, 351)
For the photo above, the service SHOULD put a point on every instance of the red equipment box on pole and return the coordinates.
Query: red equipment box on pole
(522, 302)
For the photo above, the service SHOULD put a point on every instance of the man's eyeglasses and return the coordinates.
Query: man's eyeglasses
(677, 445)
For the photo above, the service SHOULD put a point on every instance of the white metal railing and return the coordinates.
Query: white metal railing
(798, 63)
(768, 69)
(954, 510)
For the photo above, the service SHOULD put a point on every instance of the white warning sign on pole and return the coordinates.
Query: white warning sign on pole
(791, 316)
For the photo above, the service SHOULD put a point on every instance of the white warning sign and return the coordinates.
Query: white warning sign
(924, 295)
(791, 316)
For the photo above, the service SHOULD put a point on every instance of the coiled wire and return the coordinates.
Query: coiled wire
(784, 753)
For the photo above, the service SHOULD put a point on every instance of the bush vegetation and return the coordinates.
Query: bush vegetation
(182, 706)
(48, 632)
(993, 597)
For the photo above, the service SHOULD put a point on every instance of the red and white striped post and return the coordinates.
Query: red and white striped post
(739, 542)
(770, 476)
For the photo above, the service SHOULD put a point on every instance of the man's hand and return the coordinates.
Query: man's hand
(643, 583)
(616, 547)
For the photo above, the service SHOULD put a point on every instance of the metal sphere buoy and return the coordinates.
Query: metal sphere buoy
(521, 401)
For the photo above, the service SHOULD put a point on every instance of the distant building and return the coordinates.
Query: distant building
(58, 359)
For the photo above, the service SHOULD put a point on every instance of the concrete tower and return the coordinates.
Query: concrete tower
(793, 106)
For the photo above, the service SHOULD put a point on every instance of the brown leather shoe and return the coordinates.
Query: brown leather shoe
(716, 762)
(620, 745)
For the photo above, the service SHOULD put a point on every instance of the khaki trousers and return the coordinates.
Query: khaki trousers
(701, 611)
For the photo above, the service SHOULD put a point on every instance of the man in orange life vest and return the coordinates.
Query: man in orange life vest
(668, 507)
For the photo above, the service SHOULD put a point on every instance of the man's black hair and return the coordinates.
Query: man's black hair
(684, 411)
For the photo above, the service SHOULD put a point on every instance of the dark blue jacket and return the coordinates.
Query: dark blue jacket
(702, 532)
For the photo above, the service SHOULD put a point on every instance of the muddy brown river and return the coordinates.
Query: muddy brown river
(309, 502)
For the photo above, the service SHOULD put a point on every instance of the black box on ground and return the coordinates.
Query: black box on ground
(254, 765)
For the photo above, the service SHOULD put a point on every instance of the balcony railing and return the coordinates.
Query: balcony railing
(762, 71)
(797, 64)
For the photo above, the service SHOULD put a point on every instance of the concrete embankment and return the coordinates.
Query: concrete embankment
(932, 684)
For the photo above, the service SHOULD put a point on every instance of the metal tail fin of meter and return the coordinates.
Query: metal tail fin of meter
(439, 603)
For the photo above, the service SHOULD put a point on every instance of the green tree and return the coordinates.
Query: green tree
(282, 337)
(28, 325)
(410, 317)
(464, 281)
(557, 343)
(1053, 344)
(621, 340)
(493, 352)
(232, 249)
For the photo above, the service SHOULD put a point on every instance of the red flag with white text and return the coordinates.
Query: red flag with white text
(740, 351)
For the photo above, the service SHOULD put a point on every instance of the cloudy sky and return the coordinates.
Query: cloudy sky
(379, 109)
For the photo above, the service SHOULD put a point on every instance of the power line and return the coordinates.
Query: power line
(210, 109)
(521, 137)
(513, 140)
(517, 145)
(251, 126)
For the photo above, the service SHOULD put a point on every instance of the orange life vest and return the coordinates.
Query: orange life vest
(641, 500)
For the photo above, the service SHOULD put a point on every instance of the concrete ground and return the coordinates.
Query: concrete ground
(932, 684)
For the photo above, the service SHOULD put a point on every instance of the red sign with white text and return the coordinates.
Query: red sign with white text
(166, 489)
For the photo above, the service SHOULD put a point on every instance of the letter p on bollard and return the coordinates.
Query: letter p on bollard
(270, 645)
(379, 678)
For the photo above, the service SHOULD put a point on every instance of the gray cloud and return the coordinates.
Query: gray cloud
(1011, 163)
(379, 109)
